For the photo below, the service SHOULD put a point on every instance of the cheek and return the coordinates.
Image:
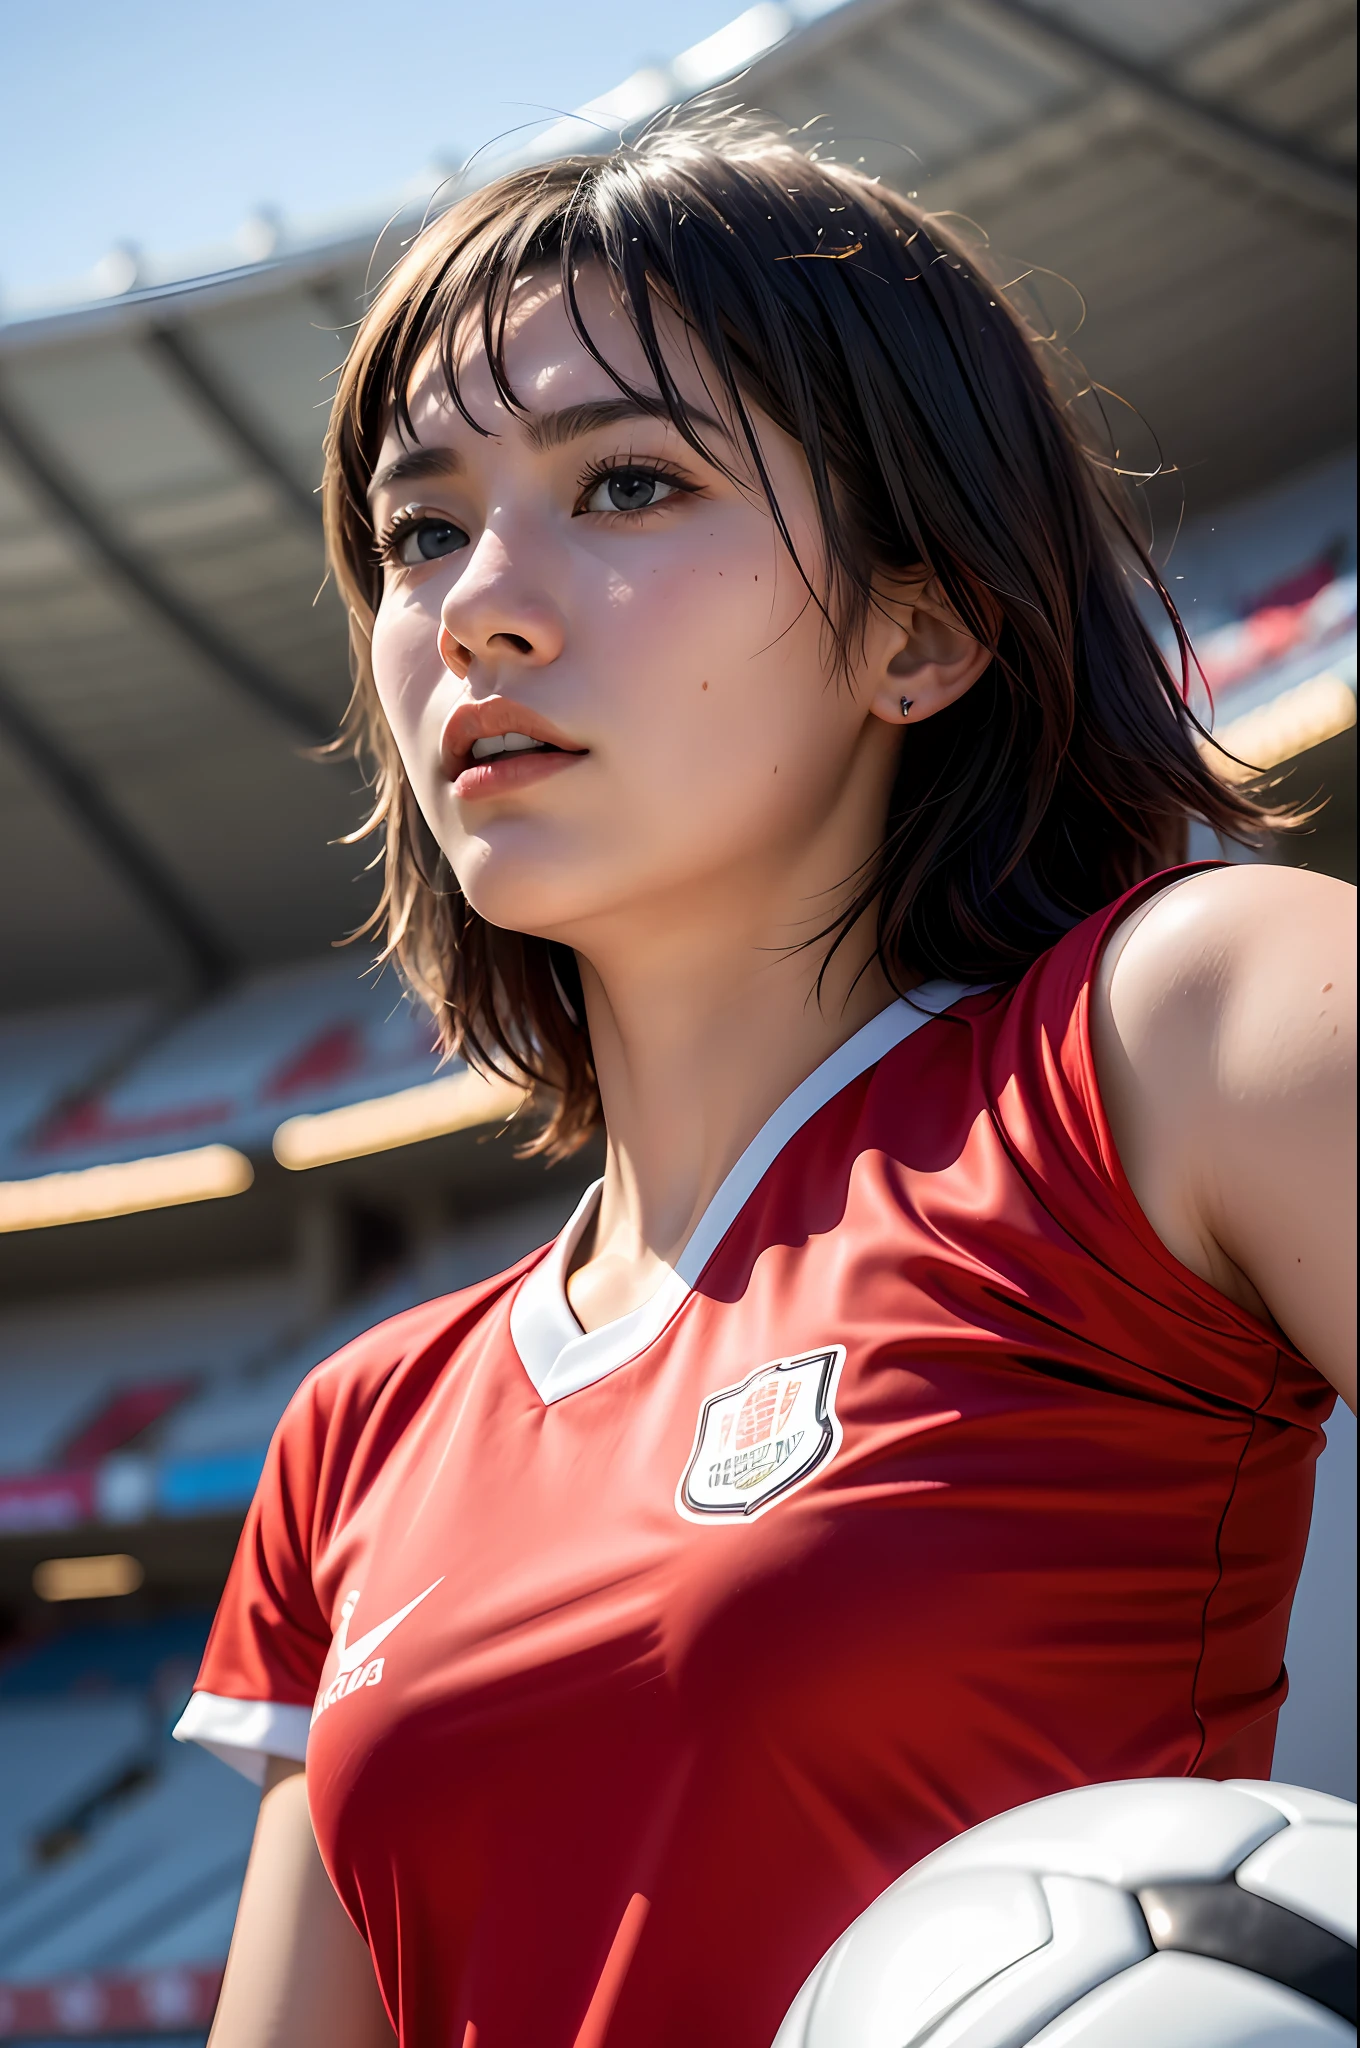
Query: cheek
(406, 667)
(719, 672)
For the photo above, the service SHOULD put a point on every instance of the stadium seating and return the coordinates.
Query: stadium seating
(172, 1853)
(295, 1039)
(61, 1361)
(43, 1054)
(55, 1754)
(120, 1850)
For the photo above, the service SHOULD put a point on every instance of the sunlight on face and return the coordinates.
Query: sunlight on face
(585, 580)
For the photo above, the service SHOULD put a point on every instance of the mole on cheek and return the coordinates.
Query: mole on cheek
(703, 686)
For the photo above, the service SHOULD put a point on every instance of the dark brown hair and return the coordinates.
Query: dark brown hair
(942, 431)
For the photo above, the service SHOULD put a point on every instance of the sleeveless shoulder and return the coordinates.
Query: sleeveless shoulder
(1038, 1070)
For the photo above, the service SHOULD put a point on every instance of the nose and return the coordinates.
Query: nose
(496, 616)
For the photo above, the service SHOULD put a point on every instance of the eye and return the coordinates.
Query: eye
(411, 541)
(627, 490)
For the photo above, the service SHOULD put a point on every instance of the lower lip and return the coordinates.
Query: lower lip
(505, 773)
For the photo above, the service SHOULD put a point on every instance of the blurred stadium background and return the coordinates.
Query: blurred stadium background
(223, 1150)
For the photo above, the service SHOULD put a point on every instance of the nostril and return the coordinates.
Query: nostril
(453, 654)
(515, 640)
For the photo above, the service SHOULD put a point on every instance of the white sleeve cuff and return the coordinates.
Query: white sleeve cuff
(245, 1733)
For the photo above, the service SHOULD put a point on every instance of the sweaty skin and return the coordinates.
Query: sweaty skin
(715, 791)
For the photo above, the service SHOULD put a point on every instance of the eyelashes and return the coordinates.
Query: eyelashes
(630, 485)
(624, 478)
(412, 537)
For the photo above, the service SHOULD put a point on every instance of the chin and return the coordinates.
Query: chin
(533, 894)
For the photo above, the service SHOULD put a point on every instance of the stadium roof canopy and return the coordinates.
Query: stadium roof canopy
(1188, 164)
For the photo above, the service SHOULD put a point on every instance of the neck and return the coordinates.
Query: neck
(699, 1030)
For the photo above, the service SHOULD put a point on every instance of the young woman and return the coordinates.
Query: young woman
(920, 1415)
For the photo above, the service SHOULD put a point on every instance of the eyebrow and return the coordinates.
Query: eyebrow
(544, 429)
(416, 462)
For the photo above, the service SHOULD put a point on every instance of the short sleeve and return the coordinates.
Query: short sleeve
(254, 1692)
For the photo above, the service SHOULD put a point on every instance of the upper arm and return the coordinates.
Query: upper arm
(299, 1974)
(1223, 1021)
(270, 1637)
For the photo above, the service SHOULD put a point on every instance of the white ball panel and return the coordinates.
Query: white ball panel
(1143, 1831)
(1311, 1870)
(1177, 2001)
(909, 1959)
(1097, 1933)
(1298, 1802)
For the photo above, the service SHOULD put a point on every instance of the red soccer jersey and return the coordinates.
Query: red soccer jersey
(636, 1664)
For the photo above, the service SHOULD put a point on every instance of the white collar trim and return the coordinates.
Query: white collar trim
(558, 1355)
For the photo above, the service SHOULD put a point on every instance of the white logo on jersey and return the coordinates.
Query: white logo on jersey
(355, 1663)
(757, 1441)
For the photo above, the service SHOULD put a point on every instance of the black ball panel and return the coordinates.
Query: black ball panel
(1235, 1926)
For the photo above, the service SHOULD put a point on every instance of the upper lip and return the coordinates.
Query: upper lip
(492, 718)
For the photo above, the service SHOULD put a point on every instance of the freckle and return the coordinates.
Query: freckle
(1326, 986)
(703, 686)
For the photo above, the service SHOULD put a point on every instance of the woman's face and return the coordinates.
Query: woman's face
(581, 578)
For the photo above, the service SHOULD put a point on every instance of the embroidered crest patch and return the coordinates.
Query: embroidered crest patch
(757, 1441)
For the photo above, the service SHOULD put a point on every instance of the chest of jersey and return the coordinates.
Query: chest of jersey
(871, 1529)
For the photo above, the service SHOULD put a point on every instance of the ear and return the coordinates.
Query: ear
(919, 654)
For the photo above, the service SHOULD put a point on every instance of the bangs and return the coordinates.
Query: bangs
(668, 242)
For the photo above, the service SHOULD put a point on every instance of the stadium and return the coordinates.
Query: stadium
(226, 1145)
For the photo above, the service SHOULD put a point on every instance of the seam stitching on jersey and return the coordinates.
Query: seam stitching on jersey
(1220, 1404)
(1218, 1572)
(1112, 1173)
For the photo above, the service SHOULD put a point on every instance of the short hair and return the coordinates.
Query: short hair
(940, 433)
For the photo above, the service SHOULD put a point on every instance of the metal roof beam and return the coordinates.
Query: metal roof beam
(84, 800)
(1240, 145)
(246, 675)
(173, 350)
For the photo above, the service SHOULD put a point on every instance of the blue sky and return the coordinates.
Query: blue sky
(166, 124)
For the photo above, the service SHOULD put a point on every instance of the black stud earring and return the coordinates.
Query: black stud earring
(906, 706)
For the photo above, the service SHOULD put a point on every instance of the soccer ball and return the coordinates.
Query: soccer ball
(1157, 1913)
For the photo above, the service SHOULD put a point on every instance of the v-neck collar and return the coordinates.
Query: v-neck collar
(558, 1355)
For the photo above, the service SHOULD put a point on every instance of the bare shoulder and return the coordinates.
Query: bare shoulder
(1263, 930)
(1223, 1027)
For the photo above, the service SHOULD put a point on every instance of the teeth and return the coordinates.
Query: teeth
(505, 743)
